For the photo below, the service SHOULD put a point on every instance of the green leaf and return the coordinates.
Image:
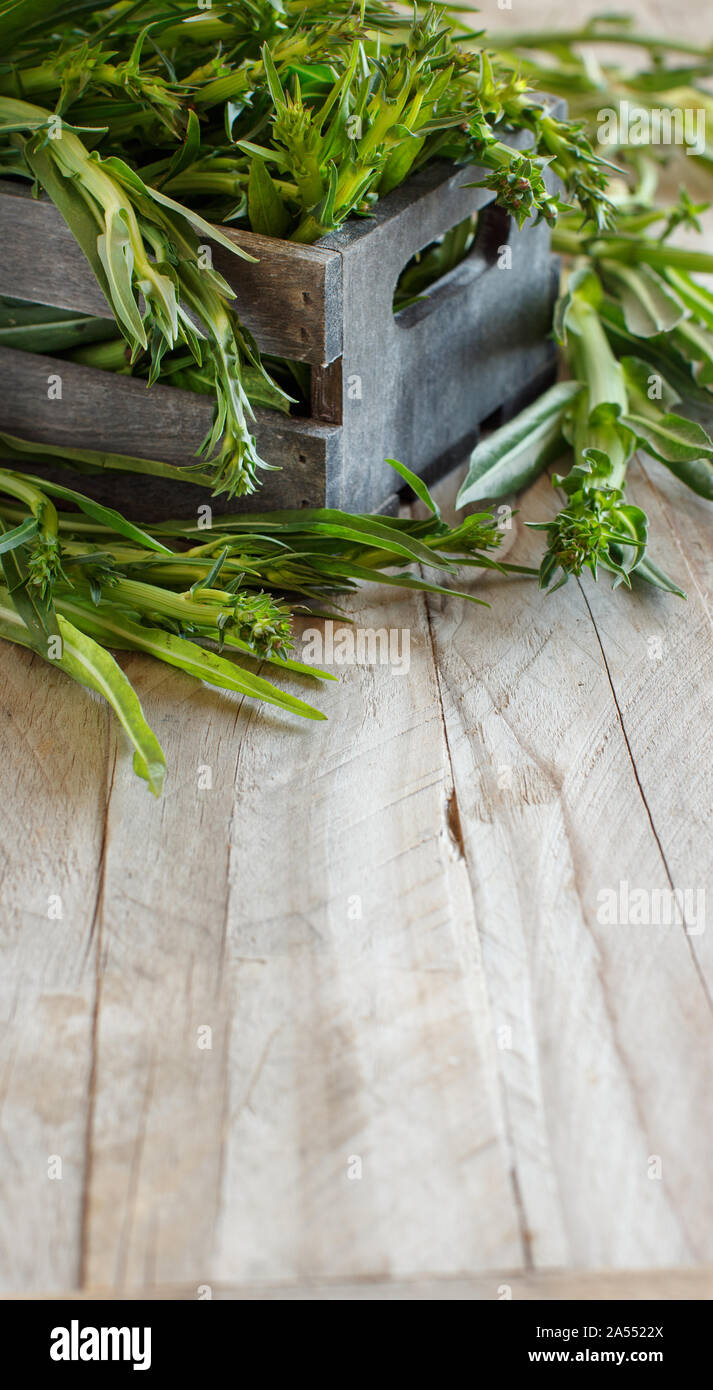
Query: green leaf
(116, 255)
(696, 297)
(91, 665)
(401, 160)
(47, 330)
(20, 17)
(349, 569)
(15, 313)
(19, 535)
(696, 344)
(273, 80)
(584, 285)
(16, 449)
(130, 179)
(369, 531)
(695, 473)
(107, 624)
(209, 579)
(663, 354)
(673, 439)
(366, 530)
(276, 157)
(86, 662)
(514, 455)
(36, 612)
(188, 152)
(266, 210)
(646, 569)
(286, 663)
(638, 376)
(648, 306)
(325, 209)
(417, 485)
(105, 516)
(70, 203)
(627, 544)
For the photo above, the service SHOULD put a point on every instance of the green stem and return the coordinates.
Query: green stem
(546, 39)
(651, 253)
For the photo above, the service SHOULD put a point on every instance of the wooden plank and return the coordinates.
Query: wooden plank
(47, 265)
(663, 1285)
(53, 757)
(99, 410)
(157, 1103)
(326, 978)
(363, 1034)
(291, 301)
(605, 1030)
(660, 662)
(336, 1037)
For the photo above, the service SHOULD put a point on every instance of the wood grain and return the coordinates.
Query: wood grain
(54, 761)
(97, 409)
(497, 1285)
(598, 1021)
(291, 300)
(660, 664)
(504, 1063)
(157, 1094)
(363, 1036)
(308, 1069)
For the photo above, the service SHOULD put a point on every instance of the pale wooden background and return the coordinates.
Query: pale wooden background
(536, 754)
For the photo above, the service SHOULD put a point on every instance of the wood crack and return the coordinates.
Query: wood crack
(689, 940)
(455, 830)
(95, 936)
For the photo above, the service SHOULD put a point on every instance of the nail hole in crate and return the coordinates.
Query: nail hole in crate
(476, 241)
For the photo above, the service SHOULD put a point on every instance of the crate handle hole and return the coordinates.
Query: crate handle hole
(476, 242)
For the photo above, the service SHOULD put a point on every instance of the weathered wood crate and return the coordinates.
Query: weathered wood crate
(415, 385)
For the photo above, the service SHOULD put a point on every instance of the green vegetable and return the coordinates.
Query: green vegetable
(149, 125)
(78, 583)
(513, 456)
(635, 325)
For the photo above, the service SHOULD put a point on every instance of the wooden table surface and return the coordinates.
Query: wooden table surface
(350, 1022)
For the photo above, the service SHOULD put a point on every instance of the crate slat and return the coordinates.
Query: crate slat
(102, 411)
(291, 301)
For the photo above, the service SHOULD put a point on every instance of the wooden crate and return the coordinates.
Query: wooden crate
(415, 386)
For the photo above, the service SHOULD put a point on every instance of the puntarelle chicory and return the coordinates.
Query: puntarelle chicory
(143, 120)
(148, 124)
(80, 583)
(634, 322)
